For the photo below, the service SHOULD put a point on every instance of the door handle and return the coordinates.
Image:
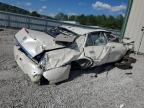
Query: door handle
(142, 29)
(91, 51)
(20, 59)
(113, 46)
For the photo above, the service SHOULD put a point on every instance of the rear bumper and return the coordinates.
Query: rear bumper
(35, 73)
(27, 65)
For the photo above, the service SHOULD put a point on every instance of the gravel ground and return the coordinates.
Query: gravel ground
(112, 88)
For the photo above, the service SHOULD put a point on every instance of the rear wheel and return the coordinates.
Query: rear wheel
(84, 63)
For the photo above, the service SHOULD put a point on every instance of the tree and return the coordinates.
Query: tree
(61, 16)
(113, 22)
(82, 19)
(72, 18)
(91, 20)
(120, 20)
(34, 13)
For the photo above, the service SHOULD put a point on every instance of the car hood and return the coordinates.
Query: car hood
(35, 42)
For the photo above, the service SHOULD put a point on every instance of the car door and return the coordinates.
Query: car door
(96, 49)
(117, 50)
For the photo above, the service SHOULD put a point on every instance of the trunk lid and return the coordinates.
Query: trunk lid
(35, 42)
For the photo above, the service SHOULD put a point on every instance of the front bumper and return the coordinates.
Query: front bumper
(27, 65)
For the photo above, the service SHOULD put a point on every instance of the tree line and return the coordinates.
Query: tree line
(113, 22)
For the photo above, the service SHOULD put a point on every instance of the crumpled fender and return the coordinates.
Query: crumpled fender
(60, 57)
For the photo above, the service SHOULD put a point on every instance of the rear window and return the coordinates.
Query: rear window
(54, 32)
(62, 35)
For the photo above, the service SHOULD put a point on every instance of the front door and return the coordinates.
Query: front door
(95, 48)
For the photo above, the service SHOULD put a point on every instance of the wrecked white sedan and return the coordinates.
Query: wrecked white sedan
(50, 55)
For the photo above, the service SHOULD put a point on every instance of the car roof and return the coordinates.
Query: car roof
(81, 30)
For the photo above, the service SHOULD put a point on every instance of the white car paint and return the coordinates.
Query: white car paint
(55, 63)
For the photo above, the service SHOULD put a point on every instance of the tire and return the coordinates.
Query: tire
(84, 63)
(123, 65)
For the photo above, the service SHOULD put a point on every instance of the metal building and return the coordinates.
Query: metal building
(134, 24)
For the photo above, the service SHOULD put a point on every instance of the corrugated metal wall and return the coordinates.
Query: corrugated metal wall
(18, 21)
(135, 24)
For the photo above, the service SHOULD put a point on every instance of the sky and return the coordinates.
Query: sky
(72, 7)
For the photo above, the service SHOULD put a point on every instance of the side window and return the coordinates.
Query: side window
(89, 41)
(111, 37)
(96, 39)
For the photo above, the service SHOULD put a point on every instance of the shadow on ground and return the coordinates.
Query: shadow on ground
(124, 64)
(77, 72)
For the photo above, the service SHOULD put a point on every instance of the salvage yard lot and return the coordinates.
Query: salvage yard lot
(112, 88)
